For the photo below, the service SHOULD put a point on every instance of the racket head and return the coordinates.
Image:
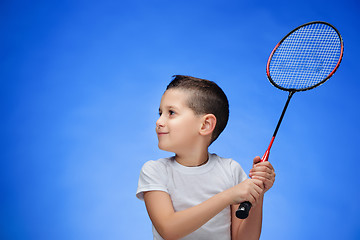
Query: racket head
(306, 57)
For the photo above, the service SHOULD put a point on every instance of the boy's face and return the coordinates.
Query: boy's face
(178, 126)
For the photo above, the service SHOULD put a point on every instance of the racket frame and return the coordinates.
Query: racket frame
(319, 83)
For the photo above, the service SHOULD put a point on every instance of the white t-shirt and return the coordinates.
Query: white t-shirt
(190, 186)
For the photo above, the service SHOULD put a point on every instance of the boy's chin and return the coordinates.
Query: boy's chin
(166, 148)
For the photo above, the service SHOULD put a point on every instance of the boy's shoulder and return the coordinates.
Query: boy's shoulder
(223, 160)
(157, 164)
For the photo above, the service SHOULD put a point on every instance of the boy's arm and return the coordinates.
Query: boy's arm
(174, 225)
(250, 228)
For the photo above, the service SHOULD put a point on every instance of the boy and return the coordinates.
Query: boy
(194, 195)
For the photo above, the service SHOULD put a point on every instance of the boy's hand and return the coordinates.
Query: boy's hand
(263, 171)
(248, 190)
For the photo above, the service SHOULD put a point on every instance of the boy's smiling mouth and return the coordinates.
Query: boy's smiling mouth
(162, 133)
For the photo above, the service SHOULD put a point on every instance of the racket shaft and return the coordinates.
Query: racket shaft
(244, 208)
(266, 154)
(282, 114)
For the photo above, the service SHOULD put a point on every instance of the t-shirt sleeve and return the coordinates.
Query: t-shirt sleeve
(239, 174)
(153, 177)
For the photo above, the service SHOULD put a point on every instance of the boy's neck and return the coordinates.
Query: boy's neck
(193, 159)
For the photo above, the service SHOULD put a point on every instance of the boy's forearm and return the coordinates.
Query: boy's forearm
(250, 228)
(187, 221)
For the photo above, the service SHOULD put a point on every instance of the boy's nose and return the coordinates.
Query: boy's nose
(160, 122)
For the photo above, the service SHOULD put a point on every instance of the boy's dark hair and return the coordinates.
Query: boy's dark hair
(205, 97)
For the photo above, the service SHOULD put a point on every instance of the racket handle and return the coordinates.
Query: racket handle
(243, 210)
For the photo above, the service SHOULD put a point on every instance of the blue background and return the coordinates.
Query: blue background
(81, 83)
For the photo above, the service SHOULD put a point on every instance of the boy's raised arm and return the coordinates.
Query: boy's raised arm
(250, 228)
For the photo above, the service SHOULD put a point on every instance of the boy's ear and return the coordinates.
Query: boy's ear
(208, 124)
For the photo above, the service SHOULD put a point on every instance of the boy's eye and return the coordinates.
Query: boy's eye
(170, 112)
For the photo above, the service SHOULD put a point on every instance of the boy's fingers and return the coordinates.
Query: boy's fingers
(264, 164)
(254, 194)
(258, 183)
(265, 175)
(262, 170)
(256, 160)
(264, 180)
(267, 182)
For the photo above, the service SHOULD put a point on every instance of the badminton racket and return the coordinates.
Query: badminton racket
(304, 59)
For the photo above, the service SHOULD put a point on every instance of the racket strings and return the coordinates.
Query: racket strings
(306, 57)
